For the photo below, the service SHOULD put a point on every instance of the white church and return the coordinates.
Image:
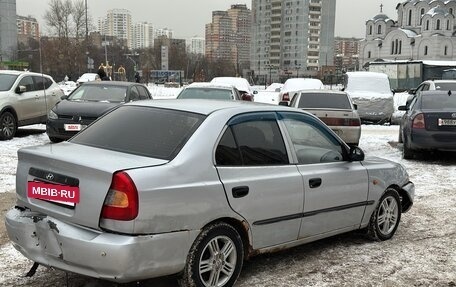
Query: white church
(424, 30)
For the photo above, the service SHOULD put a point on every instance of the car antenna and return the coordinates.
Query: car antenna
(449, 93)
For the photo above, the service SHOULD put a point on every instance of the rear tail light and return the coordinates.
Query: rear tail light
(418, 122)
(121, 202)
(285, 97)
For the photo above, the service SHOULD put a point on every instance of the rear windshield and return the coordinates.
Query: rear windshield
(324, 101)
(438, 102)
(206, 93)
(145, 131)
(7, 81)
(99, 93)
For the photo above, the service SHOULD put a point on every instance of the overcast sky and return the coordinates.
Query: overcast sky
(187, 18)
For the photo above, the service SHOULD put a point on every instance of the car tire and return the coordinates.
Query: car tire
(8, 126)
(215, 258)
(407, 152)
(386, 217)
(399, 138)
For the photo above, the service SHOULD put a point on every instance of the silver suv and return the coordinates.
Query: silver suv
(25, 99)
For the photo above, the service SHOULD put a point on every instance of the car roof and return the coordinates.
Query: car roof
(207, 107)
(110, 83)
(210, 85)
(323, 91)
(14, 72)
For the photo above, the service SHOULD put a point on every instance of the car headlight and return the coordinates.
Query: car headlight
(52, 115)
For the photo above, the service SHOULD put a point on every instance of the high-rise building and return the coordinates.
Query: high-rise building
(292, 37)
(228, 36)
(118, 23)
(27, 27)
(143, 35)
(346, 53)
(197, 46)
(163, 32)
(8, 30)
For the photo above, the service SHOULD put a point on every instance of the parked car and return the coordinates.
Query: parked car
(212, 91)
(373, 95)
(335, 109)
(25, 99)
(241, 84)
(193, 188)
(87, 103)
(292, 86)
(88, 77)
(429, 123)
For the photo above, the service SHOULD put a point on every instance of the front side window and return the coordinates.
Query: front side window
(252, 140)
(312, 142)
(27, 82)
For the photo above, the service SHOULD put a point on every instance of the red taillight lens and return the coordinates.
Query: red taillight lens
(418, 122)
(285, 97)
(121, 202)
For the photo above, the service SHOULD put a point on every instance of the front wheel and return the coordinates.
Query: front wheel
(386, 217)
(215, 259)
(8, 126)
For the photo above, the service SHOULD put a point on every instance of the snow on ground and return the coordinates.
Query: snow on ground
(422, 253)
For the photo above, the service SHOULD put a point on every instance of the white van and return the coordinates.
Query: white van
(372, 93)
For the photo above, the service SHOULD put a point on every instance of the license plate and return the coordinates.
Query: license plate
(447, 122)
(63, 194)
(73, 127)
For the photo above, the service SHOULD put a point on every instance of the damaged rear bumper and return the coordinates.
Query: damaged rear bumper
(94, 253)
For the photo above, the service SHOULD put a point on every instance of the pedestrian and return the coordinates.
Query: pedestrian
(137, 77)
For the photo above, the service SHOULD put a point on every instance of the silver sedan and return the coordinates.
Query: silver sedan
(194, 187)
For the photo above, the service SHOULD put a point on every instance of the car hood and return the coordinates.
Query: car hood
(85, 109)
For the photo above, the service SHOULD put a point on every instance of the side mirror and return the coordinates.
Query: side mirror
(355, 106)
(393, 91)
(283, 103)
(412, 91)
(356, 154)
(21, 89)
(402, 108)
(64, 97)
(255, 92)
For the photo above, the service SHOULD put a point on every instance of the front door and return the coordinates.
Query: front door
(335, 189)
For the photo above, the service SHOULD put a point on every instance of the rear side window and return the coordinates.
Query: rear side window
(324, 101)
(145, 131)
(252, 142)
(42, 83)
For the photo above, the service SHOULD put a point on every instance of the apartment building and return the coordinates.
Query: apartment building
(228, 36)
(118, 23)
(27, 28)
(8, 30)
(143, 35)
(292, 37)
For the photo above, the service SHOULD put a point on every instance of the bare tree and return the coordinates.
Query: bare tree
(79, 19)
(66, 18)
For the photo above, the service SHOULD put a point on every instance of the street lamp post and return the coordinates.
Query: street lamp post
(297, 70)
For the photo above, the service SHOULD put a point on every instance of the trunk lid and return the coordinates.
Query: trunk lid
(440, 121)
(87, 168)
(334, 117)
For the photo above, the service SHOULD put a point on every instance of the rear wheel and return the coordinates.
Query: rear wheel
(386, 217)
(8, 126)
(407, 152)
(215, 258)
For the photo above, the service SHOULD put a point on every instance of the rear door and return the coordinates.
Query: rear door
(335, 189)
(260, 184)
(30, 104)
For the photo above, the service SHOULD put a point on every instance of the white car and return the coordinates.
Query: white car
(87, 77)
(294, 85)
(239, 83)
(25, 99)
(372, 93)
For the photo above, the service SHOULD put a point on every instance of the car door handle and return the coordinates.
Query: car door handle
(240, 191)
(314, 182)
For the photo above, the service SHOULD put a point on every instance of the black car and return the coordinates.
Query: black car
(429, 123)
(87, 103)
